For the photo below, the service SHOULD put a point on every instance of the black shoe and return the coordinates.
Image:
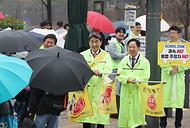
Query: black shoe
(163, 127)
(115, 116)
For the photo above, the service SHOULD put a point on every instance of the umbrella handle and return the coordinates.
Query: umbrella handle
(25, 47)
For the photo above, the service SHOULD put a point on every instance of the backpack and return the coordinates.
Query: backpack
(28, 123)
(57, 103)
(4, 108)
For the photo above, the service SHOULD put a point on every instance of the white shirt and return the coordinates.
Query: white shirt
(136, 58)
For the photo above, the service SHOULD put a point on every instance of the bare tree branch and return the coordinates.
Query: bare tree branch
(180, 10)
(44, 3)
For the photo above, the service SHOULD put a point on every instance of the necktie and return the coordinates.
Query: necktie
(94, 54)
(133, 62)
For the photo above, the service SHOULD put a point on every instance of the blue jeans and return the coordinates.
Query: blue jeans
(49, 119)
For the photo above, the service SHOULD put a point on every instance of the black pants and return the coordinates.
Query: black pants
(118, 105)
(178, 117)
(88, 125)
(138, 126)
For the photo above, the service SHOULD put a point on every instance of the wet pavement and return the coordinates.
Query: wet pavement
(64, 123)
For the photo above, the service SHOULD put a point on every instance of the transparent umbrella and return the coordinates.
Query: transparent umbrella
(164, 26)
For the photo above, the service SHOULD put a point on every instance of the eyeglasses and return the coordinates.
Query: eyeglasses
(173, 33)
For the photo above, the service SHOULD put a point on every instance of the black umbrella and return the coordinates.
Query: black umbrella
(57, 70)
(17, 41)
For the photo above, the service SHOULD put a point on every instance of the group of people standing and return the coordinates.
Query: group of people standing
(31, 102)
(120, 57)
(123, 57)
(47, 25)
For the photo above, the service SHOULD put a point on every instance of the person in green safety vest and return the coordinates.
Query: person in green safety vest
(135, 32)
(117, 51)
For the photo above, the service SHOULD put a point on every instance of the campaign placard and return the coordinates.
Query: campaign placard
(142, 40)
(173, 53)
(152, 99)
(130, 15)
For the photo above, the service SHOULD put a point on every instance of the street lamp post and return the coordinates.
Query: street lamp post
(153, 9)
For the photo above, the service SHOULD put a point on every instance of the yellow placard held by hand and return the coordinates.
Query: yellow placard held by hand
(79, 105)
(173, 53)
(107, 97)
(152, 99)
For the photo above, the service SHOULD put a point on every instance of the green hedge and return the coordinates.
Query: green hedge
(12, 22)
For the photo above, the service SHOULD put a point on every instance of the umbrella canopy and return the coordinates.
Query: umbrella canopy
(41, 33)
(100, 22)
(1, 15)
(40, 37)
(57, 70)
(164, 26)
(29, 29)
(120, 24)
(14, 76)
(17, 41)
(77, 36)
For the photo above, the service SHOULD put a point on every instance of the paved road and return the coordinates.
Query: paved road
(63, 122)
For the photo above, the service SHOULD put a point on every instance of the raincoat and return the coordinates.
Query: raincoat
(130, 115)
(95, 82)
(131, 35)
(169, 101)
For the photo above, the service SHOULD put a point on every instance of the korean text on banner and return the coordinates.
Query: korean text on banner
(173, 53)
(130, 16)
(152, 99)
(79, 105)
(142, 40)
(107, 97)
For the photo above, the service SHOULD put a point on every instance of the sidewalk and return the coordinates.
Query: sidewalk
(63, 122)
